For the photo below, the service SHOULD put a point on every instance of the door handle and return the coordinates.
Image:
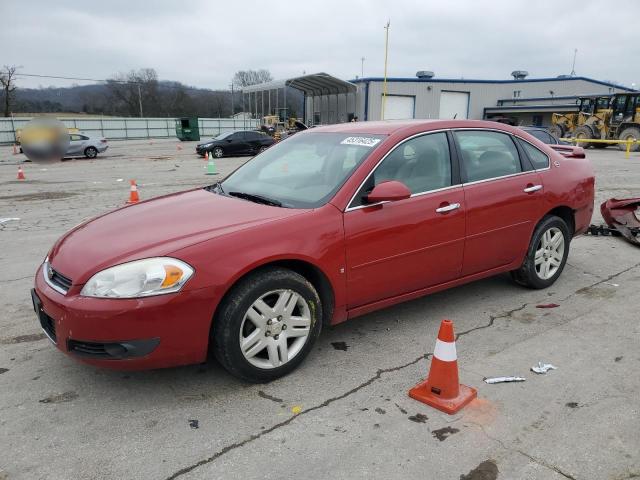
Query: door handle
(533, 188)
(448, 208)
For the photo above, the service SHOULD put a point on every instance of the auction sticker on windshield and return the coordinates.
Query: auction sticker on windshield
(362, 141)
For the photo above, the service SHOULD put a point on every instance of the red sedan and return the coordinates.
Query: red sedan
(332, 223)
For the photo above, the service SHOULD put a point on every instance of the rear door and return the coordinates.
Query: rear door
(502, 195)
(399, 247)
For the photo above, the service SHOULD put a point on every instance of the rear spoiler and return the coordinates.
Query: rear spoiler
(569, 151)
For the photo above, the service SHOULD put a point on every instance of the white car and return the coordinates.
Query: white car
(83, 145)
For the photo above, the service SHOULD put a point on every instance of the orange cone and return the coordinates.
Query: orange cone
(442, 389)
(15, 149)
(178, 147)
(133, 194)
(206, 156)
(21, 174)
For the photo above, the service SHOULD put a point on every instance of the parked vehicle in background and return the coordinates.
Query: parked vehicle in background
(333, 223)
(244, 142)
(81, 145)
(544, 135)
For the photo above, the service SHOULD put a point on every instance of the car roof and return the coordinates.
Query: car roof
(389, 127)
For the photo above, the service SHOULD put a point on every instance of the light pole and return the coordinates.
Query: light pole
(140, 100)
(384, 83)
(362, 67)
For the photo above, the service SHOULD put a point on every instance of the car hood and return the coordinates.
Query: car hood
(155, 227)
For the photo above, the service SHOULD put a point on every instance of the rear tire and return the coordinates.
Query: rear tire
(627, 133)
(91, 152)
(267, 325)
(583, 131)
(546, 256)
(557, 130)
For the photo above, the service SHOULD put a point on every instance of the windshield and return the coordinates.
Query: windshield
(222, 136)
(304, 171)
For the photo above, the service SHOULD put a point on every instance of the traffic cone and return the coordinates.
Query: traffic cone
(178, 147)
(211, 167)
(133, 193)
(15, 149)
(442, 389)
(21, 174)
(206, 156)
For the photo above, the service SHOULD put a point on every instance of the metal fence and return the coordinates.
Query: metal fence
(115, 128)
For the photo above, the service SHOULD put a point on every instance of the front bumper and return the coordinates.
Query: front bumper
(127, 334)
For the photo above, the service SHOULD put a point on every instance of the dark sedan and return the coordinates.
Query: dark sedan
(544, 135)
(235, 143)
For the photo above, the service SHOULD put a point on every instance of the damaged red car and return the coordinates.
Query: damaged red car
(330, 224)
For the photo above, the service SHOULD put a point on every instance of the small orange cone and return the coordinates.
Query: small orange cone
(15, 149)
(442, 389)
(206, 156)
(21, 174)
(178, 147)
(133, 193)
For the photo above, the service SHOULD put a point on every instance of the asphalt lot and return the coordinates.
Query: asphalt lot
(345, 413)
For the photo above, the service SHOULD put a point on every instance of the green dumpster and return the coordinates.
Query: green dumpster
(187, 128)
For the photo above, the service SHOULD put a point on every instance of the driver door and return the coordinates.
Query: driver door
(399, 247)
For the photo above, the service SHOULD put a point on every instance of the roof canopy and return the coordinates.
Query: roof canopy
(313, 85)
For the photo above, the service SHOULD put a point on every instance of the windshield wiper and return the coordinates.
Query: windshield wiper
(256, 198)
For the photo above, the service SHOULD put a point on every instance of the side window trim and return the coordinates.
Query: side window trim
(456, 180)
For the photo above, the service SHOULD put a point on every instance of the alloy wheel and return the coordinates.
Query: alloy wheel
(275, 328)
(549, 253)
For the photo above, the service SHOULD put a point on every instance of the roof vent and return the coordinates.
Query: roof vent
(519, 74)
(425, 74)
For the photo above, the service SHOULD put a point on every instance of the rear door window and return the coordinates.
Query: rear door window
(487, 154)
(538, 158)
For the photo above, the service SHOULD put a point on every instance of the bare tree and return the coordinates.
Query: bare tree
(135, 89)
(244, 78)
(7, 80)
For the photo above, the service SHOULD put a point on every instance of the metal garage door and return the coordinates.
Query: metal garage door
(454, 105)
(399, 108)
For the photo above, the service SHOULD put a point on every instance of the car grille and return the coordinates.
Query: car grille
(88, 349)
(48, 325)
(60, 280)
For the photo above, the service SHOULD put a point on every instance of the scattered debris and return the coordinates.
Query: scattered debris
(419, 418)
(617, 359)
(296, 409)
(487, 470)
(612, 284)
(269, 397)
(492, 380)
(548, 305)
(572, 404)
(194, 424)
(3, 370)
(120, 180)
(340, 346)
(543, 368)
(443, 433)
(381, 411)
(621, 216)
(60, 397)
(8, 219)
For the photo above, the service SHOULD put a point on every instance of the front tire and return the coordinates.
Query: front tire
(630, 133)
(267, 325)
(584, 132)
(217, 152)
(546, 256)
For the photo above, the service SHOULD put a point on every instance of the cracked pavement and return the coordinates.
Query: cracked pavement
(345, 413)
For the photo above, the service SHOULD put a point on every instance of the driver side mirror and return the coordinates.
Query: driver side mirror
(389, 191)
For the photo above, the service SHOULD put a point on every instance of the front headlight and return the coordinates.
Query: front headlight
(140, 278)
